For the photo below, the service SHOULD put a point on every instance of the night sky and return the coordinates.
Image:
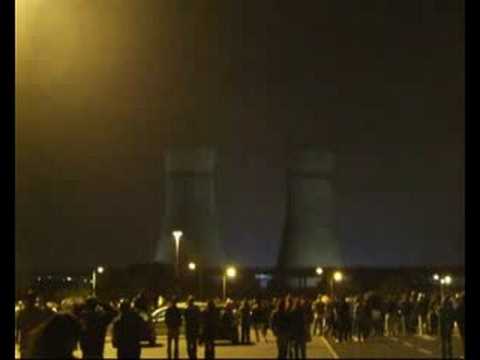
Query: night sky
(104, 87)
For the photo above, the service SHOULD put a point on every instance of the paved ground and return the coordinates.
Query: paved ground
(317, 349)
(411, 347)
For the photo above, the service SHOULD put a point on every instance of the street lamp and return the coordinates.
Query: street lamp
(442, 280)
(319, 271)
(177, 234)
(231, 272)
(100, 270)
(447, 280)
(337, 277)
(192, 266)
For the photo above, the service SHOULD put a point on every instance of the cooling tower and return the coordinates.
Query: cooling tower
(309, 235)
(190, 206)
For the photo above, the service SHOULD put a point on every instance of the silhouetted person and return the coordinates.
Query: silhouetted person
(173, 320)
(460, 318)
(257, 318)
(409, 314)
(229, 322)
(280, 327)
(57, 338)
(127, 332)
(343, 313)
(335, 319)
(29, 318)
(192, 328)
(209, 329)
(363, 320)
(447, 317)
(307, 309)
(95, 319)
(245, 322)
(319, 314)
(329, 319)
(422, 313)
(141, 302)
(265, 314)
(298, 329)
(433, 317)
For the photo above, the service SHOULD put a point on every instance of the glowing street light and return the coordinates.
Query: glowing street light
(193, 268)
(231, 272)
(100, 270)
(177, 234)
(443, 280)
(337, 277)
(319, 271)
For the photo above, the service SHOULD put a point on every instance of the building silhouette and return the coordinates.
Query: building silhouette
(190, 206)
(309, 237)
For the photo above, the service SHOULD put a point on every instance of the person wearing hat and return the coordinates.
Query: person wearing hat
(127, 332)
(192, 327)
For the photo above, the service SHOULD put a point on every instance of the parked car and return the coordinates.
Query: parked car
(228, 330)
(149, 331)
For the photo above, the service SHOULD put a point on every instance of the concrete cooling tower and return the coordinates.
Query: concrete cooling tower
(190, 206)
(309, 235)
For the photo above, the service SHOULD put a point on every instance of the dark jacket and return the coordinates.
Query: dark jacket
(460, 313)
(446, 317)
(210, 320)
(298, 323)
(192, 320)
(173, 318)
(127, 333)
(28, 320)
(95, 323)
(245, 316)
(56, 338)
(280, 323)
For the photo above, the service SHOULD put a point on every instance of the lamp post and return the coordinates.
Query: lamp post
(319, 272)
(442, 280)
(231, 272)
(192, 267)
(337, 277)
(177, 234)
(100, 270)
(447, 280)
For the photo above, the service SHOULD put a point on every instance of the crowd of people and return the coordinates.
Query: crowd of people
(49, 332)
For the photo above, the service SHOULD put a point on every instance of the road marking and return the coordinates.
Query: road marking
(425, 351)
(394, 339)
(407, 344)
(330, 349)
